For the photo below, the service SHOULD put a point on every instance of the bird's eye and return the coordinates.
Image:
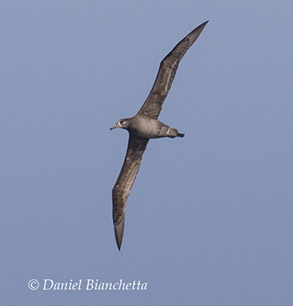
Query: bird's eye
(123, 122)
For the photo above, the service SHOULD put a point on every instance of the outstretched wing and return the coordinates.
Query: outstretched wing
(153, 104)
(122, 188)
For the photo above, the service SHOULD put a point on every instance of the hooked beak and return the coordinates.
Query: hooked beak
(117, 125)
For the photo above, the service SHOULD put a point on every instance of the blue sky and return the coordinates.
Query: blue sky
(209, 219)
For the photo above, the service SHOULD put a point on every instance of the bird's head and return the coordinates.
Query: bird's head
(122, 123)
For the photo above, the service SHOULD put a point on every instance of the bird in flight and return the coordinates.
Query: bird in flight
(144, 126)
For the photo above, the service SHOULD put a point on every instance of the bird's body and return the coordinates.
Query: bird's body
(144, 126)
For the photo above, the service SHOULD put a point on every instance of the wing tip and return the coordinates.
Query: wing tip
(119, 229)
(193, 35)
(201, 26)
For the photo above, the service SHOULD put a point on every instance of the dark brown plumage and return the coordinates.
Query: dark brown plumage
(144, 126)
(122, 188)
(168, 67)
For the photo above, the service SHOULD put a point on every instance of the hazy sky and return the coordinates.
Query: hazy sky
(209, 219)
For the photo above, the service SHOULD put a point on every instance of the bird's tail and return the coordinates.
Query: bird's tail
(180, 135)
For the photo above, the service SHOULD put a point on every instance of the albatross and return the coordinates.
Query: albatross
(144, 126)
